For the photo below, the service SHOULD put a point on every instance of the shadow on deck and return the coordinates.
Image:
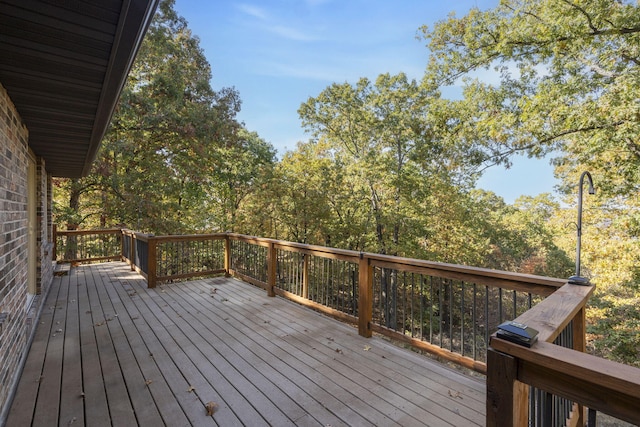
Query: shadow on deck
(109, 351)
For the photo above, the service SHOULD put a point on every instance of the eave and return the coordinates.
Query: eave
(64, 64)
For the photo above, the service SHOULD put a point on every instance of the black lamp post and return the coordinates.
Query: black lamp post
(577, 279)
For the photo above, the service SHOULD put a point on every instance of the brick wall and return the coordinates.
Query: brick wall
(13, 240)
(14, 162)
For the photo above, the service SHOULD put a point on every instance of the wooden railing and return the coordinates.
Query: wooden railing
(171, 258)
(449, 310)
(555, 372)
(87, 245)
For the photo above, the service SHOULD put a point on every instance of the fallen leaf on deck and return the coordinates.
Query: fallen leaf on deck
(367, 348)
(211, 407)
(191, 389)
(147, 382)
(455, 394)
(99, 323)
(338, 351)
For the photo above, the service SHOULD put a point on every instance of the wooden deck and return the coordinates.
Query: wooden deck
(109, 351)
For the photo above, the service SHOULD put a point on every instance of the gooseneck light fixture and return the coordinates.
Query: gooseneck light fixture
(577, 279)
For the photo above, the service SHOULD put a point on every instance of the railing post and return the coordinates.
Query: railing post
(271, 269)
(365, 296)
(122, 237)
(507, 398)
(227, 255)
(579, 330)
(132, 251)
(305, 276)
(151, 262)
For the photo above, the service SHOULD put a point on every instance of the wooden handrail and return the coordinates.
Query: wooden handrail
(86, 232)
(570, 373)
(537, 285)
(598, 383)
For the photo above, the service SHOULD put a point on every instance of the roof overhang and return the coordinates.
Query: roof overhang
(64, 64)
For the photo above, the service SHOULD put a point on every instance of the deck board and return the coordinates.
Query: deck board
(109, 351)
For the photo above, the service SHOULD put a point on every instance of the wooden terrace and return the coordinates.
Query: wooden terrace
(158, 339)
(110, 351)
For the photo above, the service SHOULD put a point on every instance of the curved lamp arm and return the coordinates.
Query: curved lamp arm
(577, 279)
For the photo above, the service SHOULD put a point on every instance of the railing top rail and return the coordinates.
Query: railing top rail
(550, 316)
(96, 231)
(140, 236)
(545, 285)
(185, 237)
(598, 383)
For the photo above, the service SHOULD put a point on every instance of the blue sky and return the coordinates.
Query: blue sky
(278, 53)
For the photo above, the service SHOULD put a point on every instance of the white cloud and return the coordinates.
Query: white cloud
(291, 33)
(254, 11)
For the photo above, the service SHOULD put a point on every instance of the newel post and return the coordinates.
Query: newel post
(227, 255)
(271, 269)
(365, 296)
(151, 262)
(507, 398)
(579, 329)
(133, 248)
(122, 237)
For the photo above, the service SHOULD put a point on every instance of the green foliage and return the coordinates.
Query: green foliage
(387, 142)
(174, 160)
(560, 77)
(563, 69)
(391, 165)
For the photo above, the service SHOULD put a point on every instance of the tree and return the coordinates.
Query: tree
(385, 134)
(242, 168)
(564, 81)
(168, 135)
(566, 75)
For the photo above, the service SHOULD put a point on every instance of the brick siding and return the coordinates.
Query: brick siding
(14, 161)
